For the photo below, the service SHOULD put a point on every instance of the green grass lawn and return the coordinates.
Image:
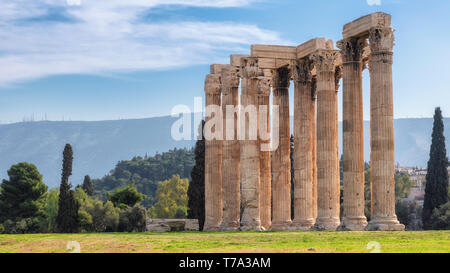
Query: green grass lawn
(283, 241)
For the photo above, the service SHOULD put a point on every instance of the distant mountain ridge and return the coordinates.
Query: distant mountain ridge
(99, 145)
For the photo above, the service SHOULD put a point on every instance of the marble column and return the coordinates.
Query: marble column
(328, 188)
(353, 134)
(264, 154)
(213, 161)
(303, 145)
(230, 146)
(314, 144)
(382, 131)
(281, 163)
(249, 147)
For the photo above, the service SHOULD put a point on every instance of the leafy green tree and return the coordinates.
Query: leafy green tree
(133, 219)
(88, 186)
(440, 218)
(196, 189)
(436, 187)
(127, 196)
(171, 195)
(22, 199)
(96, 216)
(67, 219)
(51, 209)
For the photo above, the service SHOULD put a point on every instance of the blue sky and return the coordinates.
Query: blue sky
(110, 59)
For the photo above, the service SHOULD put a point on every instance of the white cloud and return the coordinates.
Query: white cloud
(108, 36)
(373, 2)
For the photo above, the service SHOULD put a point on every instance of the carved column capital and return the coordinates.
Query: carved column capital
(325, 60)
(352, 49)
(212, 84)
(264, 84)
(381, 40)
(229, 79)
(301, 70)
(281, 77)
(249, 67)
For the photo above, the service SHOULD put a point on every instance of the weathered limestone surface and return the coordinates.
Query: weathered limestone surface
(312, 46)
(382, 131)
(361, 26)
(327, 141)
(314, 144)
(213, 162)
(166, 225)
(353, 146)
(264, 154)
(303, 141)
(230, 149)
(249, 149)
(281, 163)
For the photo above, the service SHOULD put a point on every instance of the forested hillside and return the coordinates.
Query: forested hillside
(146, 172)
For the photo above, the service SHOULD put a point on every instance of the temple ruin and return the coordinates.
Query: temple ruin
(249, 188)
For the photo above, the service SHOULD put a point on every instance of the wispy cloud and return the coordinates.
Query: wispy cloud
(373, 2)
(109, 36)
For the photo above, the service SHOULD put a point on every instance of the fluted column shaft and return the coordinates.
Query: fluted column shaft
(303, 145)
(353, 135)
(314, 144)
(231, 152)
(213, 161)
(281, 186)
(382, 131)
(264, 154)
(249, 148)
(327, 142)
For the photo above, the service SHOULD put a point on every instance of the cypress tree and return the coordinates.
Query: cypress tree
(436, 187)
(67, 218)
(196, 189)
(88, 186)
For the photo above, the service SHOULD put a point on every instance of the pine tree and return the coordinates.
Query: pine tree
(67, 219)
(88, 186)
(23, 196)
(436, 187)
(196, 190)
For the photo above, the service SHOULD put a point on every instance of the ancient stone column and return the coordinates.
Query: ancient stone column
(213, 161)
(382, 131)
(353, 135)
(230, 147)
(327, 141)
(264, 154)
(281, 163)
(249, 147)
(303, 145)
(314, 144)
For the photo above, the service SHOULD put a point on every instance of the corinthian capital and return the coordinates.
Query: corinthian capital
(229, 77)
(212, 84)
(249, 67)
(281, 77)
(264, 86)
(381, 39)
(301, 70)
(325, 60)
(352, 49)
